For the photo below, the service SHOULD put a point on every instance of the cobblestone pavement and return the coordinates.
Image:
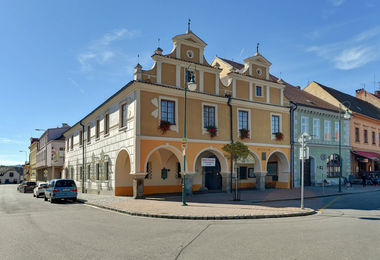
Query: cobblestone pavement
(218, 205)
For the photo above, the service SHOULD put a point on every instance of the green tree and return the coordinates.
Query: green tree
(236, 151)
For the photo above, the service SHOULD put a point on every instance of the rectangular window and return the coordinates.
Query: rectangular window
(106, 172)
(259, 91)
(336, 131)
(243, 120)
(123, 115)
(88, 133)
(88, 171)
(366, 136)
(275, 124)
(327, 130)
(80, 174)
(168, 111)
(68, 144)
(357, 136)
(97, 171)
(373, 138)
(208, 116)
(243, 172)
(97, 128)
(106, 124)
(80, 137)
(316, 128)
(304, 124)
(72, 142)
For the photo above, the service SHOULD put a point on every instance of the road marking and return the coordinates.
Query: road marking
(329, 204)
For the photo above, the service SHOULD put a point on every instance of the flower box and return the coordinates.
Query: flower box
(164, 126)
(212, 130)
(244, 133)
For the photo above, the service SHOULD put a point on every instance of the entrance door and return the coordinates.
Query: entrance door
(213, 178)
(307, 172)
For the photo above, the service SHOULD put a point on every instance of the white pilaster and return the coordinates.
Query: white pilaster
(233, 87)
(201, 81)
(250, 70)
(158, 76)
(178, 76)
(268, 94)
(267, 76)
(250, 91)
(217, 84)
(201, 56)
(178, 51)
(282, 97)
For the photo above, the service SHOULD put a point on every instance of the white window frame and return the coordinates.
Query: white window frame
(327, 125)
(336, 130)
(176, 112)
(307, 124)
(262, 91)
(204, 130)
(249, 121)
(316, 134)
(279, 127)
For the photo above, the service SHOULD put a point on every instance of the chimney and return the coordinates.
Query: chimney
(377, 93)
(65, 125)
(298, 87)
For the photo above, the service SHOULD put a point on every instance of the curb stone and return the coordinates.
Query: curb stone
(230, 217)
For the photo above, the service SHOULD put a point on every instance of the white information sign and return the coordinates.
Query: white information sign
(304, 154)
(208, 162)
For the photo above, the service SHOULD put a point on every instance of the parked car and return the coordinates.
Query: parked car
(28, 186)
(61, 189)
(39, 190)
(20, 185)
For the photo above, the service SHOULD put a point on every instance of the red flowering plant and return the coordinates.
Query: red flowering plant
(212, 130)
(279, 136)
(244, 133)
(164, 126)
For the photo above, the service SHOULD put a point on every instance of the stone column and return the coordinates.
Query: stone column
(138, 185)
(260, 180)
(226, 181)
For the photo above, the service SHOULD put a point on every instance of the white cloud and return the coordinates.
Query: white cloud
(354, 58)
(77, 85)
(336, 3)
(5, 140)
(352, 53)
(10, 162)
(101, 51)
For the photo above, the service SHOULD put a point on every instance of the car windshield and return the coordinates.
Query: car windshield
(44, 185)
(65, 183)
(30, 183)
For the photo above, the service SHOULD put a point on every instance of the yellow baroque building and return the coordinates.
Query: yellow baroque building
(133, 143)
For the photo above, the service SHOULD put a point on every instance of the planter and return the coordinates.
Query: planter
(244, 133)
(279, 136)
(164, 126)
(212, 130)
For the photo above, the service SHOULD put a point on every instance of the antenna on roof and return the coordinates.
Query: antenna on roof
(138, 58)
(158, 42)
(188, 25)
(257, 48)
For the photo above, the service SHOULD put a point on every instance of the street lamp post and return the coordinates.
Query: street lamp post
(192, 86)
(346, 116)
(26, 155)
(303, 139)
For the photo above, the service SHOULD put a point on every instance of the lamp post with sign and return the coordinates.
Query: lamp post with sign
(189, 83)
(304, 154)
(346, 116)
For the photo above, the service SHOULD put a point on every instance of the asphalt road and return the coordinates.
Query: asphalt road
(348, 227)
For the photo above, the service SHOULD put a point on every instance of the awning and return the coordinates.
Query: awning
(369, 155)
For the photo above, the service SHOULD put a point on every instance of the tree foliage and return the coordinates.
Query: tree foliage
(236, 151)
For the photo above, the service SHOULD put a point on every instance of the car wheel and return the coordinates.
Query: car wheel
(75, 199)
(24, 191)
(34, 195)
(45, 199)
(51, 200)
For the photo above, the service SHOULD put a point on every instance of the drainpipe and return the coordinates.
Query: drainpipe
(231, 136)
(83, 158)
(293, 107)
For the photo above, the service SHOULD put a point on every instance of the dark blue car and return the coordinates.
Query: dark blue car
(61, 189)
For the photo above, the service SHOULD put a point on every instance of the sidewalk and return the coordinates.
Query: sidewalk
(218, 205)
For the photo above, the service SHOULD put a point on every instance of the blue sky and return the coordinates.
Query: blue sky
(61, 59)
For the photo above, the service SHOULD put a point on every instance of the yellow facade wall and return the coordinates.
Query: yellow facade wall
(242, 89)
(209, 83)
(168, 73)
(275, 96)
(185, 48)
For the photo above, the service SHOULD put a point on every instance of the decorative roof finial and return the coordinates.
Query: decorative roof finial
(188, 26)
(138, 58)
(158, 43)
(257, 48)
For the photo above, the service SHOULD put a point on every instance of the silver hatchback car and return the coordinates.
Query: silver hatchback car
(39, 190)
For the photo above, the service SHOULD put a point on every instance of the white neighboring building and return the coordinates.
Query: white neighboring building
(9, 175)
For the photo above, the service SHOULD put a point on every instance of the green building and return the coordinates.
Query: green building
(320, 120)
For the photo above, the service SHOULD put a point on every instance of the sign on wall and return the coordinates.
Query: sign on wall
(208, 162)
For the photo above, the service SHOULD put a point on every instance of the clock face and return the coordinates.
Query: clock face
(259, 71)
(190, 54)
